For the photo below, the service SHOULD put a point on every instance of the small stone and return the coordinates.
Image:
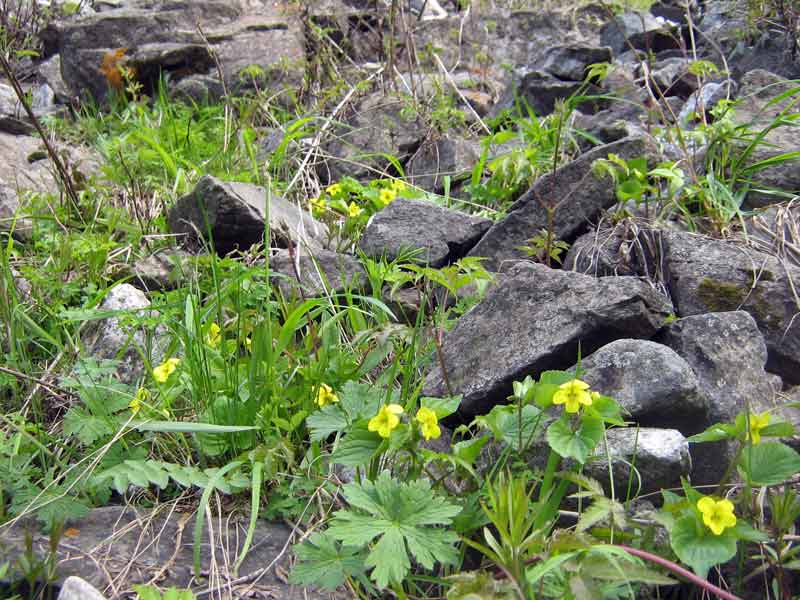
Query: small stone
(75, 588)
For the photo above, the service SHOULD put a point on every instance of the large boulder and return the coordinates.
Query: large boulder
(532, 319)
(641, 31)
(378, 126)
(579, 197)
(178, 39)
(317, 274)
(727, 352)
(652, 383)
(569, 62)
(443, 235)
(236, 215)
(707, 275)
(440, 157)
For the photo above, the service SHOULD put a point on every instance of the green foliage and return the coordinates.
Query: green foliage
(144, 473)
(326, 563)
(150, 592)
(401, 519)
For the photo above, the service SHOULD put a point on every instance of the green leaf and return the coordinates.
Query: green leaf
(715, 433)
(630, 189)
(781, 429)
(360, 400)
(403, 518)
(698, 547)
(504, 423)
(602, 509)
(769, 463)
(184, 427)
(443, 407)
(468, 450)
(577, 444)
(357, 448)
(86, 427)
(328, 420)
(325, 563)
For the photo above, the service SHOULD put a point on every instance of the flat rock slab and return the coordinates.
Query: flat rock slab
(115, 547)
(236, 215)
(444, 235)
(533, 319)
(318, 274)
(578, 194)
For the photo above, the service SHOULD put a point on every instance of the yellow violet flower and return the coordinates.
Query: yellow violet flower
(162, 372)
(325, 395)
(573, 394)
(388, 418)
(140, 398)
(757, 423)
(385, 196)
(428, 423)
(354, 209)
(214, 335)
(319, 204)
(333, 189)
(717, 514)
(398, 186)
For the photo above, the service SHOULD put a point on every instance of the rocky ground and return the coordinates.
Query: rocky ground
(686, 317)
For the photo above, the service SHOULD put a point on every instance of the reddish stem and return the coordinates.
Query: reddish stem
(680, 571)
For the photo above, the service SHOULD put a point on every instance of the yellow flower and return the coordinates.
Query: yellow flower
(387, 419)
(757, 423)
(428, 423)
(141, 397)
(325, 395)
(333, 189)
(319, 203)
(398, 186)
(354, 209)
(214, 337)
(385, 196)
(573, 394)
(717, 514)
(248, 343)
(162, 372)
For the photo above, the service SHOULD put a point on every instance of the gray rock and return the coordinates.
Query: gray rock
(707, 275)
(675, 10)
(654, 386)
(115, 547)
(579, 195)
(624, 249)
(671, 77)
(75, 588)
(532, 319)
(11, 218)
(774, 230)
(443, 234)
(111, 338)
(758, 88)
(439, 157)
(569, 62)
(660, 458)
(164, 270)
(13, 118)
(540, 91)
(728, 353)
(198, 88)
(705, 99)
(268, 38)
(50, 71)
(378, 127)
(318, 274)
(236, 215)
(642, 31)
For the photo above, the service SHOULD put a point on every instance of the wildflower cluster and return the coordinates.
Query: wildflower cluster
(388, 419)
(353, 200)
